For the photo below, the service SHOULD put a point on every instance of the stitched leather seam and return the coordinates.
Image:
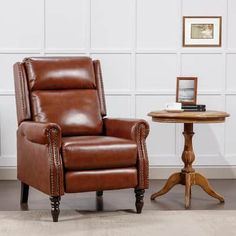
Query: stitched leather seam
(102, 95)
(22, 104)
(100, 87)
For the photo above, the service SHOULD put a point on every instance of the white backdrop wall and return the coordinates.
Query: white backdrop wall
(139, 45)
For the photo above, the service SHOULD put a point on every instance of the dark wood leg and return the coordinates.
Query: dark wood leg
(139, 194)
(24, 193)
(99, 193)
(55, 210)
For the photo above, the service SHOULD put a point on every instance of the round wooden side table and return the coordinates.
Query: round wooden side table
(188, 176)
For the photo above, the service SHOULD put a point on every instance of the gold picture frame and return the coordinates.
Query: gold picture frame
(202, 31)
(186, 90)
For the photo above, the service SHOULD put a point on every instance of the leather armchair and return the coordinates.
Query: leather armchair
(65, 142)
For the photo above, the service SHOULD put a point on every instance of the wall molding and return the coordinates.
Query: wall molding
(145, 92)
(8, 173)
(213, 172)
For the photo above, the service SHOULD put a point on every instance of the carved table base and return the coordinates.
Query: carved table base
(188, 176)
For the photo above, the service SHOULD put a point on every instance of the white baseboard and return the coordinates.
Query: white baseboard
(7, 173)
(215, 172)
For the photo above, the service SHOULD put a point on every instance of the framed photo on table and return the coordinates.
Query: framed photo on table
(186, 90)
(202, 31)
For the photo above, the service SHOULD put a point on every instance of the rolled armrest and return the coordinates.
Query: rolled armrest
(126, 128)
(37, 132)
(136, 130)
(39, 162)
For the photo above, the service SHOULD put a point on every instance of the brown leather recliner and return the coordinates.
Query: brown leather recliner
(65, 142)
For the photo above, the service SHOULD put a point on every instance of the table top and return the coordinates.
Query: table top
(189, 117)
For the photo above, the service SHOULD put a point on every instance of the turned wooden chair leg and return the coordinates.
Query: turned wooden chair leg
(24, 193)
(55, 208)
(139, 194)
(99, 193)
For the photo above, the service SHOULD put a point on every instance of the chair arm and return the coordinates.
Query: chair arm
(136, 130)
(37, 132)
(126, 128)
(39, 161)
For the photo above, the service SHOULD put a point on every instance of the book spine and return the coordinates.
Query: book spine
(195, 109)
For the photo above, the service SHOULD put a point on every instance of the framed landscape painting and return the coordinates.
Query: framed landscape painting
(202, 31)
(186, 90)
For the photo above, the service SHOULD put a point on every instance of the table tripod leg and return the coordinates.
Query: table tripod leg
(204, 184)
(173, 180)
(187, 190)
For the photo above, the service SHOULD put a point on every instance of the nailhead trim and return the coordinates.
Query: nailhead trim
(142, 131)
(55, 165)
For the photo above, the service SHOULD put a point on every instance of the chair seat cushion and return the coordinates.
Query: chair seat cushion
(98, 152)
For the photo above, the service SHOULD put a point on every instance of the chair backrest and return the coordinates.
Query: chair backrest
(63, 90)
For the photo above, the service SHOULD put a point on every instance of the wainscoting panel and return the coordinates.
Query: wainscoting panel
(209, 68)
(66, 24)
(117, 71)
(139, 43)
(21, 24)
(156, 71)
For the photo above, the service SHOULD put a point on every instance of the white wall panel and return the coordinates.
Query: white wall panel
(112, 23)
(6, 70)
(156, 71)
(161, 140)
(7, 127)
(209, 68)
(231, 24)
(118, 106)
(66, 24)
(230, 137)
(207, 8)
(158, 23)
(139, 45)
(116, 70)
(231, 72)
(204, 8)
(21, 24)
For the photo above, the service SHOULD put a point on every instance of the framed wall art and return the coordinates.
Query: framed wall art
(186, 90)
(202, 31)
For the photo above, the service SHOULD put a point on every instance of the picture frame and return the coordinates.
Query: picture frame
(202, 31)
(186, 90)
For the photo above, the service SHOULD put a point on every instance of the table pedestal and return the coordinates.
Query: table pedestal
(188, 176)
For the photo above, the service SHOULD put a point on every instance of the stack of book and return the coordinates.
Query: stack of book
(197, 107)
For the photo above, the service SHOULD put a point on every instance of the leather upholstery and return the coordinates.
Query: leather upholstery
(66, 85)
(99, 83)
(95, 180)
(98, 152)
(60, 73)
(21, 93)
(39, 163)
(75, 111)
(63, 142)
(136, 130)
